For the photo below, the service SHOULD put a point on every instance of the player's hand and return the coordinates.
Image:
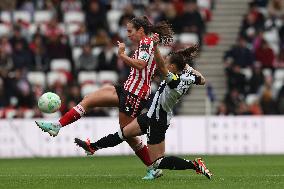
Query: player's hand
(156, 38)
(121, 48)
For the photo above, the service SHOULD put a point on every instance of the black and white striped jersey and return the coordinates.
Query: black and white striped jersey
(169, 93)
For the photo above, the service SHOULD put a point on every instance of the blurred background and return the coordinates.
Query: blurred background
(69, 47)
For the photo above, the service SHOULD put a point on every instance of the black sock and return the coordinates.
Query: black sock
(108, 141)
(175, 163)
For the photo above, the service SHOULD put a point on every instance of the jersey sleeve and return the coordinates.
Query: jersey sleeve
(145, 49)
(172, 80)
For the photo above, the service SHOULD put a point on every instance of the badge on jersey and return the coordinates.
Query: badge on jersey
(144, 56)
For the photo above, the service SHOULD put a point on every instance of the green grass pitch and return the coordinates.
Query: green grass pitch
(126, 172)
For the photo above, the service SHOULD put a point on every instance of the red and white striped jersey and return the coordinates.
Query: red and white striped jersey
(139, 81)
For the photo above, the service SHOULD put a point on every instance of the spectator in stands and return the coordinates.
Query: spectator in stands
(81, 37)
(254, 10)
(59, 48)
(236, 79)
(107, 59)
(96, 10)
(101, 39)
(127, 15)
(276, 7)
(6, 63)
(40, 60)
(268, 104)
(25, 5)
(232, 100)
(261, 3)
(22, 90)
(37, 47)
(17, 37)
(251, 26)
(70, 5)
(257, 41)
(169, 14)
(279, 60)
(54, 7)
(52, 29)
(257, 79)
(222, 109)
(243, 109)
(74, 95)
(280, 100)
(3, 97)
(272, 23)
(265, 55)
(239, 54)
(87, 61)
(22, 58)
(255, 108)
(5, 45)
(192, 20)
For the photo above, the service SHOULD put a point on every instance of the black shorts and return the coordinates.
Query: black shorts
(155, 130)
(129, 103)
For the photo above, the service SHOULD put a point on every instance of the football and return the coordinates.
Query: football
(49, 102)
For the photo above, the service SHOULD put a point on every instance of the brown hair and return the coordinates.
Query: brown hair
(181, 57)
(162, 28)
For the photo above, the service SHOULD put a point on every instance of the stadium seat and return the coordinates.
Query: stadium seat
(76, 52)
(204, 4)
(53, 77)
(36, 78)
(276, 86)
(279, 75)
(272, 38)
(22, 15)
(87, 77)
(247, 72)
(251, 98)
(74, 17)
(72, 28)
(96, 51)
(188, 38)
(4, 29)
(61, 26)
(113, 18)
(60, 64)
(42, 17)
(10, 113)
(6, 17)
(267, 72)
(88, 88)
(107, 77)
(28, 113)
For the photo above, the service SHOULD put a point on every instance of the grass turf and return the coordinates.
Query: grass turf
(126, 172)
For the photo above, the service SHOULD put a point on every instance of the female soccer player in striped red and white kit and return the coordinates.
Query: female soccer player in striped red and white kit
(133, 96)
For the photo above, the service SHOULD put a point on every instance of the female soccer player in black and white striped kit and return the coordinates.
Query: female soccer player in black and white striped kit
(178, 77)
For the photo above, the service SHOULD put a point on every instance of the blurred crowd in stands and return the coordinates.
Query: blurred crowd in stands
(255, 64)
(69, 46)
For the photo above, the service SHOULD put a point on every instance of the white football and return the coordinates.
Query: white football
(49, 102)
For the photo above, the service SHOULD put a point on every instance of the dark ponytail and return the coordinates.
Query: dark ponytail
(162, 28)
(181, 57)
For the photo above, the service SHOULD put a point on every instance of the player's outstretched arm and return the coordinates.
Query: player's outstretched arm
(135, 63)
(160, 61)
(202, 81)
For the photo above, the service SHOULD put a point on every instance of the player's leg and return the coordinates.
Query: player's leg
(131, 133)
(175, 163)
(111, 140)
(104, 97)
(156, 143)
